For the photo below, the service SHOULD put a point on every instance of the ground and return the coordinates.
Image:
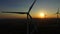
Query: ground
(39, 26)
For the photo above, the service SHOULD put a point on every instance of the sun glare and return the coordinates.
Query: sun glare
(42, 15)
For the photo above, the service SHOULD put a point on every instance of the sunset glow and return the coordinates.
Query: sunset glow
(41, 8)
(42, 15)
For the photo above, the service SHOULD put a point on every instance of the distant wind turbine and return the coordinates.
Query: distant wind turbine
(45, 16)
(57, 15)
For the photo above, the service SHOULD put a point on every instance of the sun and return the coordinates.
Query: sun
(42, 15)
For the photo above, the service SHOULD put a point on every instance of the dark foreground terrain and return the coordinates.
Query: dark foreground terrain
(19, 26)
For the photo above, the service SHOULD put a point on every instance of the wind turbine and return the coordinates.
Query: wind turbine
(45, 16)
(57, 15)
(27, 13)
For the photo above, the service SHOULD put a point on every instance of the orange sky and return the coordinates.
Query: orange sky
(7, 15)
(49, 7)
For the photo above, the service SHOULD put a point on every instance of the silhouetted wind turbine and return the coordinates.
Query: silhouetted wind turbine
(57, 15)
(45, 16)
(28, 14)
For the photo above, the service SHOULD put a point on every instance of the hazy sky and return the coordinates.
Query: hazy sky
(49, 7)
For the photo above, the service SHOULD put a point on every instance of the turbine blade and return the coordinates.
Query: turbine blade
(30, 16)
(31, 6)
(10, 12)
